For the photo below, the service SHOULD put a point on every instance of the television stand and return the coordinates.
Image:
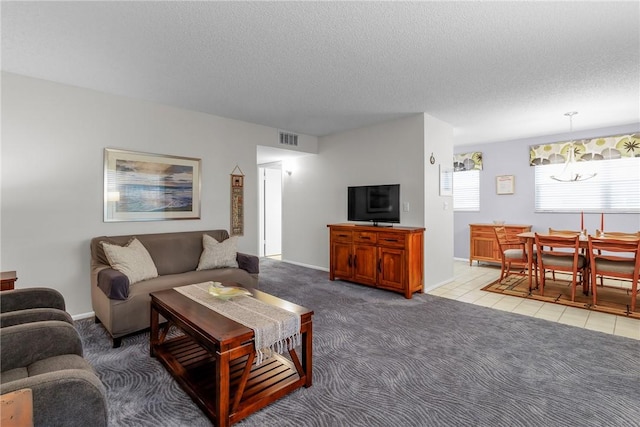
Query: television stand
(378, 256)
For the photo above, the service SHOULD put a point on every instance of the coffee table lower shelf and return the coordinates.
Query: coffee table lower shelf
(193, 367)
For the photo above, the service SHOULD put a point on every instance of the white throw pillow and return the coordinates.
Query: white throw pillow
(132, 260)
(218, 254)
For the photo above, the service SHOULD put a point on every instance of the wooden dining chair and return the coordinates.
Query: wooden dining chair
(567, 233)
(616, 258)
(562, 253)
(616, 235)
(513, 253)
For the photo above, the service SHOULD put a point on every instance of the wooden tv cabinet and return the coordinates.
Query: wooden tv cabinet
(384, 257)
(483, 245)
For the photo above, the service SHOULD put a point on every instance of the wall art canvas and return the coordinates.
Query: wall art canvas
(150, 187)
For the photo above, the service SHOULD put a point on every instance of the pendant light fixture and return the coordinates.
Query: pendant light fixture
(571, 171)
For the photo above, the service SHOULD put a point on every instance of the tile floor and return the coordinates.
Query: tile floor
(469, 280)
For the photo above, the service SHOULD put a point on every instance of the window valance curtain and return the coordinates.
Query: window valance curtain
(467, 161)
(607, 147)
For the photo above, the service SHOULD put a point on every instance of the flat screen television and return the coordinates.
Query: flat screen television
(374, 203)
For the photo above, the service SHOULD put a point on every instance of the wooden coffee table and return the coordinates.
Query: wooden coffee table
(213, 360)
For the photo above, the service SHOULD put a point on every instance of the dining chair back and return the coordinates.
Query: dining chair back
(565, 232)
(562, 253)
(513, 253)
(616, 258)
(615, 235)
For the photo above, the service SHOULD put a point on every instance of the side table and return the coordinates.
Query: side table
(7, 280)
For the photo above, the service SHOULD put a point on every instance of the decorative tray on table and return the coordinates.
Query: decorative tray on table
(226, 292)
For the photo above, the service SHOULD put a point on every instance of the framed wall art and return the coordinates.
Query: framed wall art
(446, 181)
(505, 184)
(237, 202)
(150, 187)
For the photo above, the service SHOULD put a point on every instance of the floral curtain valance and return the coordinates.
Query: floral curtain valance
(603, 148)
(467, 161)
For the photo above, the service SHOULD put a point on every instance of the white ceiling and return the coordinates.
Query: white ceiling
(494, 70)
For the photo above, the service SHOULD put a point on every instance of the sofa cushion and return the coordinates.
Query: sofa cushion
(218, 254)
(33, 315)
(13, 375)
(59, 363)
(133, 260)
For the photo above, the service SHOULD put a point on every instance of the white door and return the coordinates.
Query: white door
(272, 211)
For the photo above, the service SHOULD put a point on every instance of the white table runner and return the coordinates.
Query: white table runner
(274, 329)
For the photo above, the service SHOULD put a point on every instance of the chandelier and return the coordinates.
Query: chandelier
(571, 171)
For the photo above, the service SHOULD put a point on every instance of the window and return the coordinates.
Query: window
(615, 189)
(466, 190)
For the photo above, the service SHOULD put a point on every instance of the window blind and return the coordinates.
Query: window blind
(615, 188)
(466, 190)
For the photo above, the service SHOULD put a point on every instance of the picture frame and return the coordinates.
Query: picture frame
(446, 180)
(150, 187)
(505, 184)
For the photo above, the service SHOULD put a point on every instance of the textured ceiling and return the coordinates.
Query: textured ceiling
(493, 70)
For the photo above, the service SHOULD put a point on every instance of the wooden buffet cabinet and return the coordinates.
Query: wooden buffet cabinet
(384, 257)
(483, 245)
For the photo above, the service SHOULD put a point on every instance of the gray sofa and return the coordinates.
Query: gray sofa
(46, 356)
(124, 309)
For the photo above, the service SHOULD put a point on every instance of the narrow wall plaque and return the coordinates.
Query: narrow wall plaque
(237, 203)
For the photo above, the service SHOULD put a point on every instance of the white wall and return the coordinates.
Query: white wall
(53, 137)
(512, 158)
(316, 192)
(438, 218)
(393, 152)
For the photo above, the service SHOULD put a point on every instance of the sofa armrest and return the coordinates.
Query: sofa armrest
(21, 299)
(69, 397)
(33, 315)
(27, 343)
(114, 284)
(249, 263)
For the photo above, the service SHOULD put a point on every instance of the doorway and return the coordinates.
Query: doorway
(270, 209)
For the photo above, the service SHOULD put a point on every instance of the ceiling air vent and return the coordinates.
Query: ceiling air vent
(288, 139)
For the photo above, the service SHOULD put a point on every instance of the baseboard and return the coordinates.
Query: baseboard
(315, 267)
(83, 315)
(437, 285)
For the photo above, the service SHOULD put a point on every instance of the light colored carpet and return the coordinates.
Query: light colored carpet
(383, 360)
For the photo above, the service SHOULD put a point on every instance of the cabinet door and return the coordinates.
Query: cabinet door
(341, 260)
(391, 268)
(484, 248)
(364, 264)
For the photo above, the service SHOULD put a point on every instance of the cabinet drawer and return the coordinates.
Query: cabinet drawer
(483, 232)
(512, 233)
(341, 236)
(394, 240)
(365, 237)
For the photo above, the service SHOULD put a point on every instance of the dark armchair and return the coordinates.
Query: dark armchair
(46, 357)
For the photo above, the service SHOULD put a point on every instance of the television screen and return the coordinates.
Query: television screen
(374, 203)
